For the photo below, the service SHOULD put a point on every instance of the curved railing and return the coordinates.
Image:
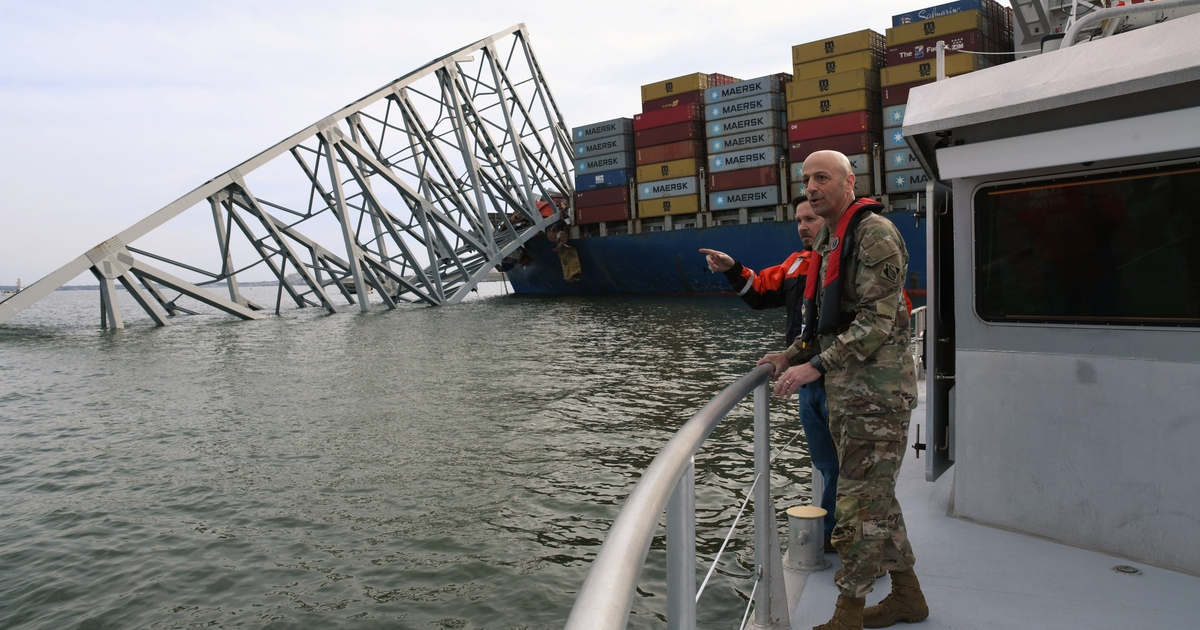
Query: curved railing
(605, 600)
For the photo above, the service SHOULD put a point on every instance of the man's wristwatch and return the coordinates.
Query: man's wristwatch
(816, 362)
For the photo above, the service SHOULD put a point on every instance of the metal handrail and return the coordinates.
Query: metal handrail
(606, 597)
(1119, 12)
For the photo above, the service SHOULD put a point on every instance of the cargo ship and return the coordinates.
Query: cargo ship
(712, 161)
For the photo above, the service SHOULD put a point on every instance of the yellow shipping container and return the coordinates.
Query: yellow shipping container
(856, 101)
(674, 206)
(956, 64)
(678, 85)
(868, 59)
(937, 27)
(686, 167)
(834, 46)
(861, 79)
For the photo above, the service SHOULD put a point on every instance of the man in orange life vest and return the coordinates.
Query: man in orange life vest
(783, 285)
(856, 308)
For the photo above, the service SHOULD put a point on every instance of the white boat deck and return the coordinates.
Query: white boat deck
(976, 576)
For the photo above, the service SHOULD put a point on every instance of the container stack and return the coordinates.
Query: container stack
(604, 164)
(965, 25)
(669, 147)
(746, 140)
(833, 103)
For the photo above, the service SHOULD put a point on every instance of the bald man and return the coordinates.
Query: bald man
(856, 309)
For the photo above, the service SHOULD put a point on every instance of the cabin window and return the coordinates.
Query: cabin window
(1111, 248)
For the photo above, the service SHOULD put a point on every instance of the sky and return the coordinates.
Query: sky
(110, 111)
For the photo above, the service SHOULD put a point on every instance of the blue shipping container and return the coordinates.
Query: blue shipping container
(614, 127)
(602, 146)
(749, 158)
(893, 116)
(753, 122)
(609, 162)
(607, 179)
(899, 160)
(766, 137)
(905, 181)
(744, 198)
(742, 89)
(763, 102)
(920, 15)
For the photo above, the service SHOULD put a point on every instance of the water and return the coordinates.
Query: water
(448, 467)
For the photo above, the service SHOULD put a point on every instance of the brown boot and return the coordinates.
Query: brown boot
(904, 603)
(848, 616)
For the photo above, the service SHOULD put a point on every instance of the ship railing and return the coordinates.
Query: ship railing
(606, 597)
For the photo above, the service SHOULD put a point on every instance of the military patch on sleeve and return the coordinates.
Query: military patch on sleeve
(891, 272)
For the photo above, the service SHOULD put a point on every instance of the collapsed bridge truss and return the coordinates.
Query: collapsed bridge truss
(414, 193)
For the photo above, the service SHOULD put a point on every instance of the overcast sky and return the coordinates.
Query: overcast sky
(110, 111)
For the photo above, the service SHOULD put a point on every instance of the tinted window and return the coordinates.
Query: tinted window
(1119, 248)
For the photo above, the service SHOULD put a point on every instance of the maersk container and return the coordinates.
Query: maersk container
(858, 100)
(668, 116)
(602, 197)
(677, 85)
(669, 152)
(937, 27)
(860, 79)
(941, 10)
(750, 87)
(688, 204)
(744, 198)
(868, 59)
(849, 144)
(900, 160)
(609, 162)
(753, 122)
(735, 142)
(894, 139)
(749, 158)
(956, 64)
(666, 170)
(601, 214)
(839, 125)
(614, 127)
(893, 115)
(913, 180)
(595, 181)
(744, 178)
(675, 100)
(602, 146)
(668, 188)
(927, 49)
(835, 46)
(687, 130)
(896, 94)
(859, 165)
(763, 102)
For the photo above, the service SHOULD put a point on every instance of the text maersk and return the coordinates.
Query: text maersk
(677, 186)
(601, 129)
(745, 123)
(602, 161)
(756, 195)
(745, 141)
(601, 145)
(757, 156)
(743, 88)
(742, 107)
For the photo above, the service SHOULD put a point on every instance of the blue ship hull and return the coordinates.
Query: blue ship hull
(668, 263)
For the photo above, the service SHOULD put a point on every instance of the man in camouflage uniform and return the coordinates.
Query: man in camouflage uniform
(870, 384)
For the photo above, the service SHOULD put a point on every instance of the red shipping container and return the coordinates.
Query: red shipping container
(602, 197)
(897, 94)
(669, 152)
(916, 51)
(850, 144)
(688, 130)
(599, 214)
(717, 78)
(838, 125)
(668, 116)
(744, 178)
(675, 100)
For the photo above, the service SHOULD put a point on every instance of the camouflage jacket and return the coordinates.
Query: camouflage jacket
(869, 367)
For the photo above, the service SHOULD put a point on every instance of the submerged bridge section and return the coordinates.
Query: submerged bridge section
(413, 193)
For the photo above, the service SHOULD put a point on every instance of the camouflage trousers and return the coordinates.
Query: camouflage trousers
(870, 534)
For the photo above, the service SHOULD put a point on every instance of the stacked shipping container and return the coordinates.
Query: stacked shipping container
(833, 103)
(669, 144)
(965, 25)
(745, 123)
(604, 164)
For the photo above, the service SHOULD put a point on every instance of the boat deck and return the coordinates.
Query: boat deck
(976, 576)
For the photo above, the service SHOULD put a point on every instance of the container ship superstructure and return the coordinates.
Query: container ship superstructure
(712, 161)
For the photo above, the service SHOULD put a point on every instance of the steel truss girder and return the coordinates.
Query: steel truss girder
(430, 182)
